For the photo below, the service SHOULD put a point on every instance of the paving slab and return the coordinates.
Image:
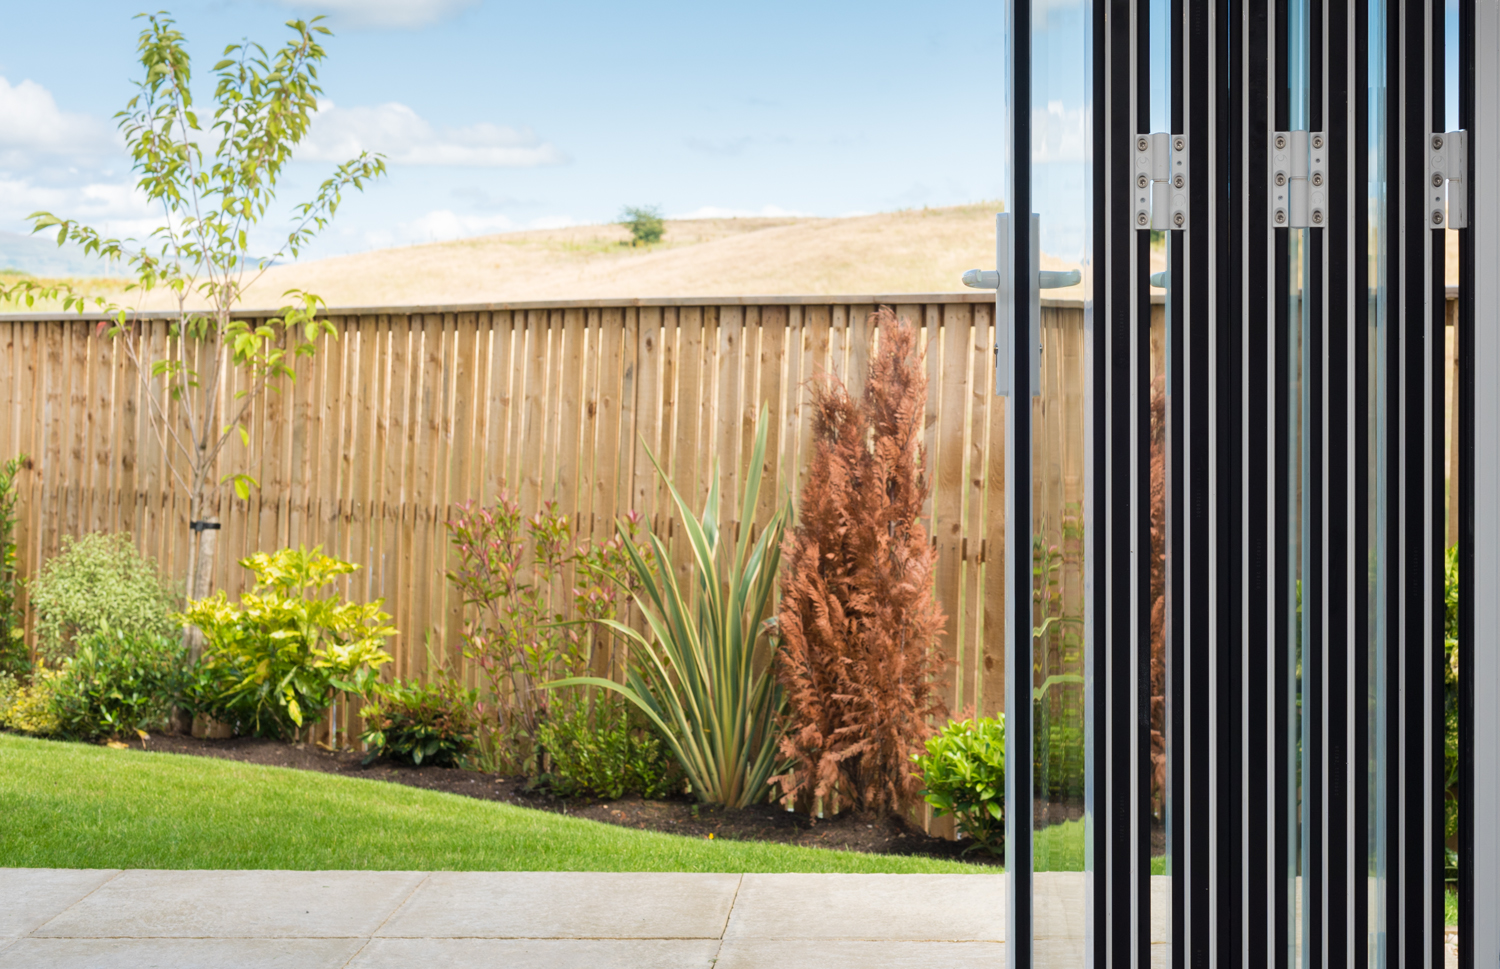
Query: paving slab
(1059, 905)
(948, 908)
(538, 953)
(566, 905)
(824, 954)
(31, 896)
(178, 953)
(236, 904)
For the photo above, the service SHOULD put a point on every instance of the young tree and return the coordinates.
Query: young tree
(213, 187)
(858, 622)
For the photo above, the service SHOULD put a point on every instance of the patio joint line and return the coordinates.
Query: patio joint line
(426, 875)
(76, 902)
(733, 901)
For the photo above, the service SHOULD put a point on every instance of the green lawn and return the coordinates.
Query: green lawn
(81, 806)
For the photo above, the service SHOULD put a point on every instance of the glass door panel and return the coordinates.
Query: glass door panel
(1061, 177)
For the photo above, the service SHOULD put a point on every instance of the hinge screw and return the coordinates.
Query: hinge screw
(1317, 216)
(1280, 216)
(1317, 178)
(1178, 144)
(1437, 216)
(1179, 219)
(1437, 142)
(1437, 180)
(1179, 181)
(1281, 178)
(1143, 219)
(1141, 181)
(1317, 141)
(1142, 144)
(1281, 142)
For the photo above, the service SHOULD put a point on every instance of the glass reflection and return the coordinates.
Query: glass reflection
(1377, 311)
(1160, 35)
(1060, 169)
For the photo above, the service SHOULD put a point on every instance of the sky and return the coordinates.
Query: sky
(497, 115)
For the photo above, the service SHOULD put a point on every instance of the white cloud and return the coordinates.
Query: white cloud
(714, 212)
(382, 13)
(442, 224)
(1058, 133)
(395, 130)
(32, 124)
(114, 208)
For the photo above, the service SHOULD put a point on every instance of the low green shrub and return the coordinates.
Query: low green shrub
(14, 657)
(9, 687)
(963, 774)
(29, 708)
(432, 723)
(118, 683)
(608, 752)
(274, 662)
(98, 583)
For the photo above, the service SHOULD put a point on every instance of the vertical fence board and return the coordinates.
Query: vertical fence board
(727, 405)
(647, 414)
(498, 413)
(948, 490)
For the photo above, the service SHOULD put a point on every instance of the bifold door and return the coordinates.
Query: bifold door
(1221, 286)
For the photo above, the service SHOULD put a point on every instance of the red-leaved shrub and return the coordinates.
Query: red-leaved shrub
(858, 620)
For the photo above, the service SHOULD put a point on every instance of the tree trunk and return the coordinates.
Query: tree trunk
(202, 546)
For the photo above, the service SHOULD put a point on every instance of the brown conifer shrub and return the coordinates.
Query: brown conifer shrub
(858, 620)
(1158, 599)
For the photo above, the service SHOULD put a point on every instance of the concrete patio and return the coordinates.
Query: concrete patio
(521, 920)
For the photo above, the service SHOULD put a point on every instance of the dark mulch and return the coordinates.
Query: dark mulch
(846, 832)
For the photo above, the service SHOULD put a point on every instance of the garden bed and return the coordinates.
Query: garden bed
(681, 816)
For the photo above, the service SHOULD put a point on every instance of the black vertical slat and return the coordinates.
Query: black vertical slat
(1393, 281)
(1228, 571)
(1286, 495)
(1350, 207)
(1411, 186)
(1258, 432)
(1116, 614)
(1204, 110)
(1346, 570)
(1018, 690)
(1098, 514)
(1139, 391)
(1176, 501)
(1316, 605)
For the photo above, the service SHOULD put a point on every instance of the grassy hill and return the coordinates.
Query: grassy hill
(918, 250)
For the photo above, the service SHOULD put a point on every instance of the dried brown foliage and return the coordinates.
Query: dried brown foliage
(858, 620)
(1158, 599)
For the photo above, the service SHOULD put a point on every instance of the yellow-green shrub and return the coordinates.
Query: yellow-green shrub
(273, 663)
(31, 708)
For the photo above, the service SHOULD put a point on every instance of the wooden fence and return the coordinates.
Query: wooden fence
(412, 411)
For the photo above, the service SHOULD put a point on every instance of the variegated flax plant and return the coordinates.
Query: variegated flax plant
(703, 674)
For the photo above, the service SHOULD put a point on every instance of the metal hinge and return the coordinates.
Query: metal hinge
(1447, 169)
(1299, 180)
(1161, 181)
